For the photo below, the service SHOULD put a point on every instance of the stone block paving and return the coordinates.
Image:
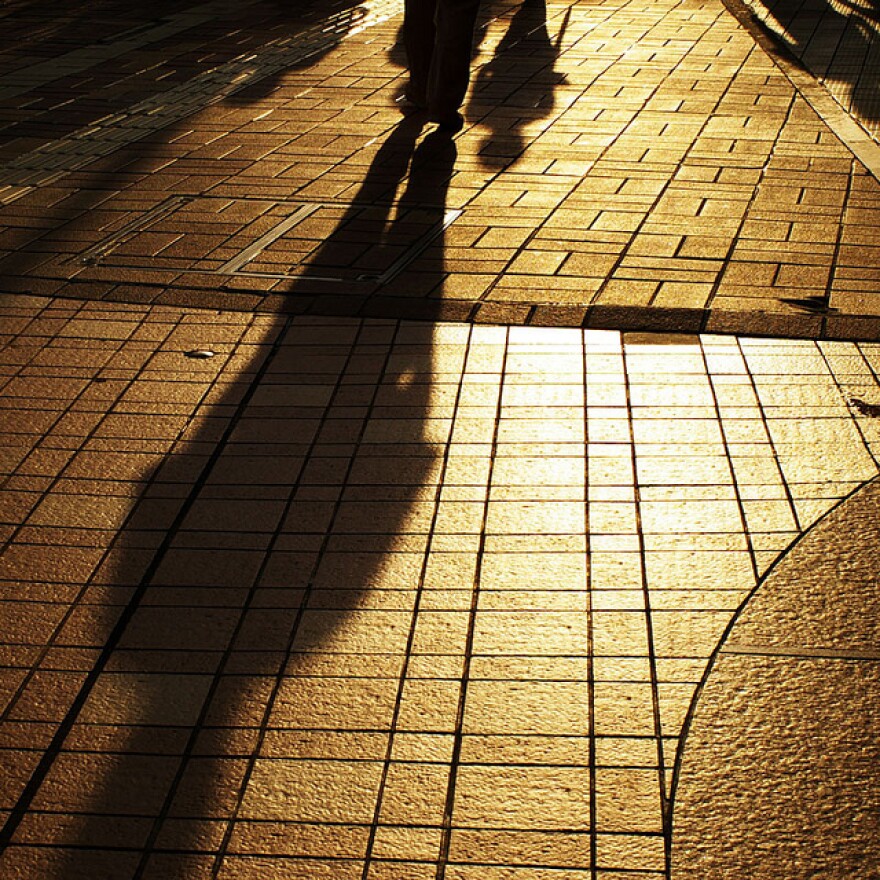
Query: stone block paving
(624, 166)
(378, 598)
(836, 43)
(352, 524)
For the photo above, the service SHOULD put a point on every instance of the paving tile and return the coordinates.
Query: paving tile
(394, 597)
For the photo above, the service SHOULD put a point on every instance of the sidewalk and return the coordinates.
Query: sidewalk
(623, 167)
(324, 559)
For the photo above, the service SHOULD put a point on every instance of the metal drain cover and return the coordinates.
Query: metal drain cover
(314, 241)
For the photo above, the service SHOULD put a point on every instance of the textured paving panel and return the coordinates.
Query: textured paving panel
(789, 711)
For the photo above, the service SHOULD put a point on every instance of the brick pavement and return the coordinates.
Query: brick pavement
(295, 585)
(623, 166)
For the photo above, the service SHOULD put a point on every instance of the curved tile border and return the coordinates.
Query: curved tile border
(777, 773)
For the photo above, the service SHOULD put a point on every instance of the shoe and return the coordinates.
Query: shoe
(448, 122)
(410, 105)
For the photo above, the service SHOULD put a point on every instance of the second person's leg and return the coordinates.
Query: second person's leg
(419, 35)
(451, 61)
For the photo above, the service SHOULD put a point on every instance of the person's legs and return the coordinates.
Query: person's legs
(419, 34)
(450, 67)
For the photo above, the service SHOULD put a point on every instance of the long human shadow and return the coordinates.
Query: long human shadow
(260, 584)
(199, 642)
(163, 737)
(516, 88)
(848, 59)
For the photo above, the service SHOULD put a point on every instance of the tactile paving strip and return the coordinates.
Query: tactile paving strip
(46, 164)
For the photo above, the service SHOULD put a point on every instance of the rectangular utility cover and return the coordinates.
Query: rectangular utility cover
(319, 241)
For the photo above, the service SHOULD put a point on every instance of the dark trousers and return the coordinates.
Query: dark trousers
(438, 35)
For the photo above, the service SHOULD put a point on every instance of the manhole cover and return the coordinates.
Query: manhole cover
(318, 241)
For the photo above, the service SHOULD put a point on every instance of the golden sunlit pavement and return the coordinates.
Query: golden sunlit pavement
(383, 597)
(383, 505)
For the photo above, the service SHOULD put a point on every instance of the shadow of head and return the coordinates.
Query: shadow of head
(516, 88)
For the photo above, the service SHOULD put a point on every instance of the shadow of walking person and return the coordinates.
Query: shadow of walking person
(516, 89)
(352, 545)
(246, 700)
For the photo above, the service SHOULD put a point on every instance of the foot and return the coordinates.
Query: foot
(410, 104)
(448, 122)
